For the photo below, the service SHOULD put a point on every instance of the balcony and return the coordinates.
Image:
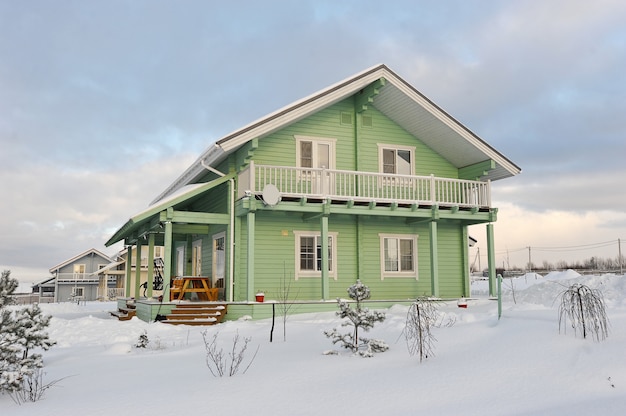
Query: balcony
(79, 278)
(365, 186)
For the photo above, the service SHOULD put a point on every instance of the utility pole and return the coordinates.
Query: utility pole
(619, 257)
(529, 261)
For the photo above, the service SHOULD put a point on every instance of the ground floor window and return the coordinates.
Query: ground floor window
(78, 292)
(309, 254)
(398, 255)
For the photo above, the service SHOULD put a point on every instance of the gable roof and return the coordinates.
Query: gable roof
(397, 100)
(79, 256)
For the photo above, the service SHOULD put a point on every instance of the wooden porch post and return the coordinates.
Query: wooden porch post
(491, 260)
(466, 270)
(167, 260)
(137, 268)
(324, 243)
(434, 259)
(251, 224)
(150, 265)
(129, 252)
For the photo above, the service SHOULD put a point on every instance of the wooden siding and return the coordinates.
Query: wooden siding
(275, 258)
(385, 131)
(280, 148)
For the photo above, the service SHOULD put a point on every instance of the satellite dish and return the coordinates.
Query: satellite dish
(271, 195)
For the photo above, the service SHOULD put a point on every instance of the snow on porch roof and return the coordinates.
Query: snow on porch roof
(181, 196)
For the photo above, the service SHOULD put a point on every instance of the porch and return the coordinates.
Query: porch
(358, 186)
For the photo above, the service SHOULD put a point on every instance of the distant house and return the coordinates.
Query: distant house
(81, 277)
(365, 179)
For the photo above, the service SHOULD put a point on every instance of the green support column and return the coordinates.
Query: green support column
(434, 259)
(137, 268)
(129, 252)
(150, 265)
(251, 223)
(167, 260)
(466, 269)
(491, 260)
(324, 243)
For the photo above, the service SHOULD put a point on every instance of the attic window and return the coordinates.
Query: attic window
(367, 121)
(346, 118)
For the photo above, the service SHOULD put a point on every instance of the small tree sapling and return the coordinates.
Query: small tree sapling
(359, 318)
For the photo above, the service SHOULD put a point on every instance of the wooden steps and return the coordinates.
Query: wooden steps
(196, 314)
(125, 313)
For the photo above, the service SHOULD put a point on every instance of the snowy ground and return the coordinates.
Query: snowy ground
(518, 365)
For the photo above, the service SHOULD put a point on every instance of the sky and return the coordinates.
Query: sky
(104, 104)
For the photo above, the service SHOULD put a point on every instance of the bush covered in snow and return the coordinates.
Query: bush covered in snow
(21, 331)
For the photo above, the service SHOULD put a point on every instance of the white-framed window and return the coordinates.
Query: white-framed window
(180, 261)
(398, 255)
(396, 160)
(196, 258)
(79, 271)
(309, 254)
(78, 292)
(315, 152)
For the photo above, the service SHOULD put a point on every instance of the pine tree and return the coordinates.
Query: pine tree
(21, 331)
(359, 318)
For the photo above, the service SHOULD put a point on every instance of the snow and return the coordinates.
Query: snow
(517, 365)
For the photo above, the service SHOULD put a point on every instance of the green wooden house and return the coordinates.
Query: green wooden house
(365, 179)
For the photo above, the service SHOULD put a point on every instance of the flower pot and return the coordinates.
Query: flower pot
(260, 297)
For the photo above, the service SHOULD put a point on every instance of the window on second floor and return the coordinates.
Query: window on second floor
(315, 152)
(397, 160)
(79, 269)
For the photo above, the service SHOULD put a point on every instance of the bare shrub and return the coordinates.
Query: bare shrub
(423, 315)
(32, 388)
(220, 362)
(584, 308)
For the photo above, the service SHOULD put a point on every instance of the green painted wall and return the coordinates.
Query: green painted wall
(275, 258)
(358, 241)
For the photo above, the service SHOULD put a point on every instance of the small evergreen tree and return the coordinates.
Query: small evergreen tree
(358, 318)
(21, 331)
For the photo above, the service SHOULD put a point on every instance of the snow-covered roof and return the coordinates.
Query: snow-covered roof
(397, 99)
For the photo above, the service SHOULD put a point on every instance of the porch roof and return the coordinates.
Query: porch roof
(181, 198)
(392, 96)
(108, 268)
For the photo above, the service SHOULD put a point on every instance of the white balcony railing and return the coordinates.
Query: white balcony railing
(77, 277)
(365, 186)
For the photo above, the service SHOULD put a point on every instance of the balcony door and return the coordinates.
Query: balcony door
(315, 154)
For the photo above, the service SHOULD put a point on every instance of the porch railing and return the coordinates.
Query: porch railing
(110, 293)
(365, 186)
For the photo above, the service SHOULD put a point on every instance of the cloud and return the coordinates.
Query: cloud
(104, 103)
